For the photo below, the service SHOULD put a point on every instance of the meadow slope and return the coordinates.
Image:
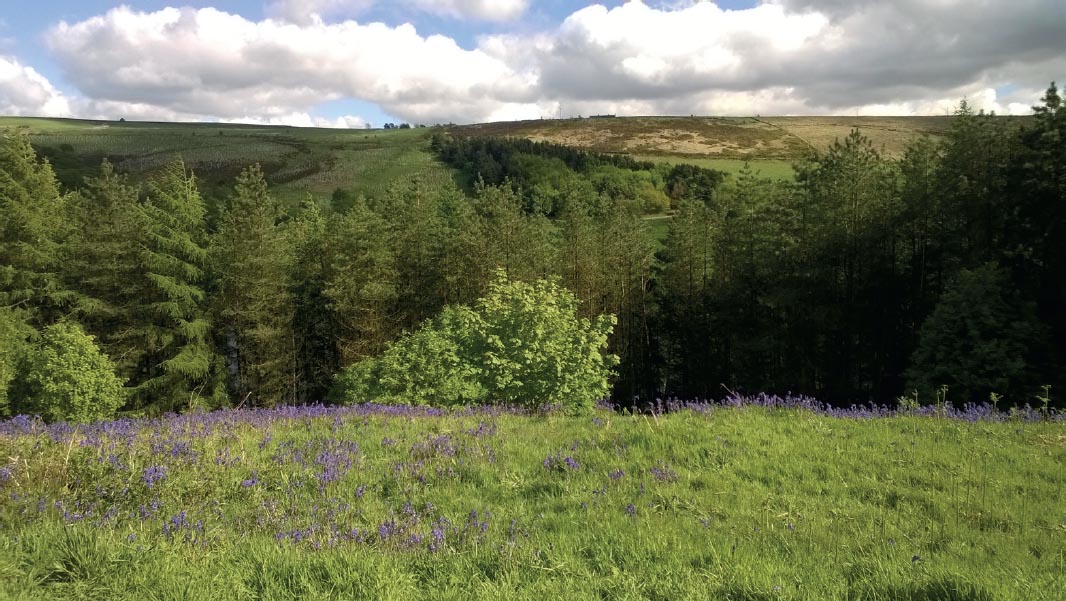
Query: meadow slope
(749, 502)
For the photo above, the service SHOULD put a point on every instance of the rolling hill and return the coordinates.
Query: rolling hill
(298, 161)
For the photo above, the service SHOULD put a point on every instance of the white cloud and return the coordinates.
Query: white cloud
(684, 57)
(306, 12)
(482, 10)
(24, 91)
(211, 62)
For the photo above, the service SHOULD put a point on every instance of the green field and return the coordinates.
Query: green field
(297, 161)
(404, 503)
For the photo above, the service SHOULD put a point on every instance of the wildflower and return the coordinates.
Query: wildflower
(153, 475)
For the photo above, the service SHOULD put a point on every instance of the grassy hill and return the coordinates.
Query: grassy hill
(301, 160)
(373, 502)
(296, 160)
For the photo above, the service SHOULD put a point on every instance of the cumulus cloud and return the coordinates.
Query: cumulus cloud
(24, 91)
(210, 62)
(483, 10)
(779, 57)
(305, 12)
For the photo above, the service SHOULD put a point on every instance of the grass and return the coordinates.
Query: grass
(297, 161)
(768, 168)
(392, 503)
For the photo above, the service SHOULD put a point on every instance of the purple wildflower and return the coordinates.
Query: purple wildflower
(153, 475)
(251, 481)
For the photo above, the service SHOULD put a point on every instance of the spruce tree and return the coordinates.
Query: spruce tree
(254, 309)
(314, 324)
(102, 265)
(179, 368)
(362, 286)
(32, 231)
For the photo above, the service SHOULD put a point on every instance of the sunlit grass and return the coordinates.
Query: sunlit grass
(750, 503)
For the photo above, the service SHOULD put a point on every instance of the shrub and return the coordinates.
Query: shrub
(14, 334)
(65, 377)
(522, 344)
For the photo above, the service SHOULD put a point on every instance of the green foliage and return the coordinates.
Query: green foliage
(14, 343)
(361, 282)
(103, 265)
(32, 231)
(250, 256)
(180, 367)
(314, 324)
(434, 365)
(532, 349)
(65, 377)
(977, 340)
(522, 344)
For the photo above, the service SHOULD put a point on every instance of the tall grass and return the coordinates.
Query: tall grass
(743, 502)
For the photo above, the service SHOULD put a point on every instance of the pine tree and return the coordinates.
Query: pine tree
(179, 368)
(32, 231)
(314, 324)
(103, 265)
(254, 308)
(362, 286)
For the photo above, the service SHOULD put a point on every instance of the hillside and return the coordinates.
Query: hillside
(725, 143)
(301, 160)
(296, 160)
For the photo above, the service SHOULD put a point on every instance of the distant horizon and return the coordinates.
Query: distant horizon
(345, 63)
(430, 125)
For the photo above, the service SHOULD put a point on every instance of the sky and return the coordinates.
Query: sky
(349, 63)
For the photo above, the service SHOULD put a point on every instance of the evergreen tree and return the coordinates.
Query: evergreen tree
(254, 309)
(523, 245)
(1036, 246)
(850, 236)
(362, 282)
(686, 280)
(32, 231)
(314, 324)
(103, 265)
(180, 368)
(978, 340)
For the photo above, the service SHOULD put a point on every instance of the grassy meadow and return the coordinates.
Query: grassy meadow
(755, 501)
(296, 160)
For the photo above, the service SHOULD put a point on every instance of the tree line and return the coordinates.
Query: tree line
(864, 278)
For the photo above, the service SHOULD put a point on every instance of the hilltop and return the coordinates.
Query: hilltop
(771, 144)
(300, 160)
